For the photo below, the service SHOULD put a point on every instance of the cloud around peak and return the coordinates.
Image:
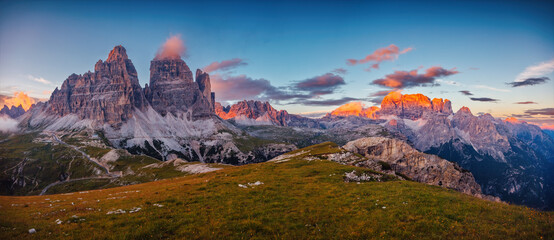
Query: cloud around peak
(173, 48)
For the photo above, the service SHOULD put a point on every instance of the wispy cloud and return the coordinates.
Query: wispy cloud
(466, 92)
(542, 111)
(328, 102)
(491, 88)
(484, 99)
(224, 65)
(39, 79)
(341, 71)
(407, 79)
(448, 82)
(382, 54)
(527, 102)
(534, 71)
(529, 82)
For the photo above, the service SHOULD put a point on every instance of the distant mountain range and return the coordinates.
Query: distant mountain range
(176, 116)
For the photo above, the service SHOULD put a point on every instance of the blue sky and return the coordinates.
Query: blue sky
(287, 42)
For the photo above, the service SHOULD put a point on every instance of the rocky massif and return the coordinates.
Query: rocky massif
(173, 116)
(253, 113)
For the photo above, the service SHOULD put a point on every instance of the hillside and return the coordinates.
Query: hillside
(297, 196)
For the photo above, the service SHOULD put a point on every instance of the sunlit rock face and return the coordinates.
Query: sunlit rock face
(109, 94)
(253, 113)
(173, 90)
(412, 106)
(355, 109)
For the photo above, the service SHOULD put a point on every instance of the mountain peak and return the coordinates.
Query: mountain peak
(512, 120)
(412, 105)
(117, 53)
(464, 109)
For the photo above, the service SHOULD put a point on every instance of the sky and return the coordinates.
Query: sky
(303, 56)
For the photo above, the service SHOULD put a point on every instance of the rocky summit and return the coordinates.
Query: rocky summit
(173, 90)
(109, 94)
(412, 106)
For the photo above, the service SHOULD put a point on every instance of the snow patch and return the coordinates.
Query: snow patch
(415, 125)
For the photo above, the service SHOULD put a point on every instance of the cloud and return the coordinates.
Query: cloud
(328, 102)
(8, 124)
(381, 93)
(173, 48)
(405, 79)
(341, 71)
(534, 71)
(320, 85)
(542, 111)
(224, 65)
(528, 102)
(307, 92)
(484, 99)
(529, 82)
(229, 88)
(491, 88)
(466, 92)
(382, 54)
(39, 79)
(19, 98)
(448, 82)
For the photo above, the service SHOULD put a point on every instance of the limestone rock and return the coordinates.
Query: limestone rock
(109, 94)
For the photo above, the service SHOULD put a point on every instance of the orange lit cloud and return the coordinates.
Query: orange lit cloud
(173, 48)
(19, 98)
(407, 79)
(382, 54)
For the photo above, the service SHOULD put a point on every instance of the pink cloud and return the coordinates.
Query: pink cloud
(224, 65)
(382, 54)
(173, 48)
(406, 79)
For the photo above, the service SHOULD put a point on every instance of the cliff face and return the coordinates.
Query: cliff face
(253, 112)
(173, 90)
(416, 165)
(109, 94)
(355, 109)
(413, 106)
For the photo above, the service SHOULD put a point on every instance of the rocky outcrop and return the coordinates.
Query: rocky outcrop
(173, 90)
(253, 113)
(412, 106)
(13, 112)
(109, 94)
(416, 165)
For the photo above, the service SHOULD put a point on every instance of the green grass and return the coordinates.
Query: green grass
(299, 200)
